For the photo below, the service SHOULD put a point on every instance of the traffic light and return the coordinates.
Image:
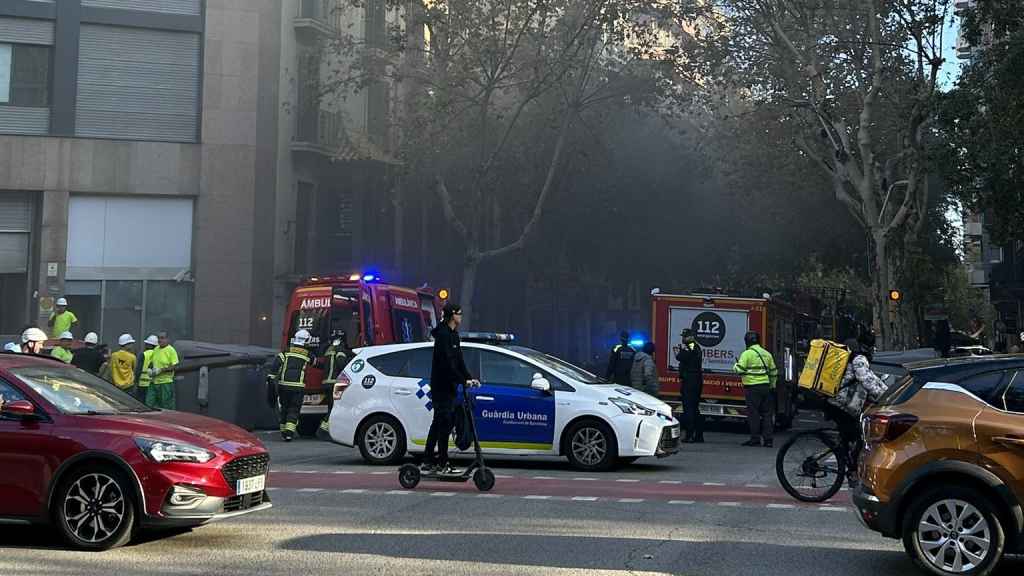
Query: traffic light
(443, 294)
(895, 296)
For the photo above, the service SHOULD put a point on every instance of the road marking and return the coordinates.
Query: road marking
(399, 492)
(730, 504)
(681, 502)
(781, 506)
(304, 472)
(713, 484)
(544, 478)
(586, 479)
(503, 476)
(489, 495)
(756, 486)
(533, 497)
(630, 500)
(380, 473)
(627, 480)
(802, 421)
(342, 472)
(310, 490)
(354, 491)
(670, 482)
(832, 509)
(585, 498)
(442, 493)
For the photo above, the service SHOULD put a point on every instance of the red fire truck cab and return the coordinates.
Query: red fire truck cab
(367, 312)
(719, 324)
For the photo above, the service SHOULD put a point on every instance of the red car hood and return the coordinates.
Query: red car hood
(182, 426)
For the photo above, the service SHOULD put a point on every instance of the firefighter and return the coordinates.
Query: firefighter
(620, 361)
(691, 381)
(757, 369)
(288, 372)
(334, 361)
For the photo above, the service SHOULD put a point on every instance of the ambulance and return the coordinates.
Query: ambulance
(719, 323)
(368, 311)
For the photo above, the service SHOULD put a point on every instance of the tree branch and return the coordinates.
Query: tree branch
(449, 211)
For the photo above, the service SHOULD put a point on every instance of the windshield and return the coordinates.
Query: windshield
(560, 367)
(75, 391)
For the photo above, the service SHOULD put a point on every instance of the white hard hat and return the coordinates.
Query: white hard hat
(91, 338)
(33, 335)
(11, 347)
(62, 301)
(301, 337)
(125, 340)
(66, 336)
(151, 340)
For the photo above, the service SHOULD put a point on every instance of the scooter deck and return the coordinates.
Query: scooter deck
(460, 476)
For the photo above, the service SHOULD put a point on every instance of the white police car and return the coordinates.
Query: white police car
(529, 403)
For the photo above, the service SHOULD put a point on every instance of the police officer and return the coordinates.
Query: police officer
(334, 361)
(691, 382)
(620, 361)
(288, 372)
(757, 369)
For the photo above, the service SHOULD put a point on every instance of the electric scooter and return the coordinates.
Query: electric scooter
(409, 475)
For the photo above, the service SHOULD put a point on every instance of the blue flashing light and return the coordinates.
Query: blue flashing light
(369, 277)
(636, 343)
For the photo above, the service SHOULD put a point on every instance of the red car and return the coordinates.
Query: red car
(80, 454)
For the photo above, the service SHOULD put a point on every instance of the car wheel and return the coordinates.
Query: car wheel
(590, 446)
(381, 440)
(954, 530)
(94, 508)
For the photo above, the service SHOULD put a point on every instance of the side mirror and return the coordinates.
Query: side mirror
(540, 383)
(19, 408)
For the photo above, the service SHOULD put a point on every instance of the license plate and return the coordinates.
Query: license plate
(712, 409)
(313, 399)
(250, 485)
(674, 432)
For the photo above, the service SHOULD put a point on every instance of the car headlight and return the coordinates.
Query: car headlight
(630, 407)
(167, 451)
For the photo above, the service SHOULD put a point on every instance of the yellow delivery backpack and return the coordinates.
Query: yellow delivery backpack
(826, 364)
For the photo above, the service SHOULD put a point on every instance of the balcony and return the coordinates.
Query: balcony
(318, 18)
(319, 131)
(974, 229)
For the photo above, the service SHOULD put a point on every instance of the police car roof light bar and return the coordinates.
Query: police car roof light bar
(488, 337)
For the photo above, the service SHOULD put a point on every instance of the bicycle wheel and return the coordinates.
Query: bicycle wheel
(810, 467)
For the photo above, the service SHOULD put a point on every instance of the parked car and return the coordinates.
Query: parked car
(82, 455)
(943, 467)
(529, 404)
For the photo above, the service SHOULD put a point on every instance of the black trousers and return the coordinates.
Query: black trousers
(759, 410)
(690, 389)
(290, 398)
(440, 432)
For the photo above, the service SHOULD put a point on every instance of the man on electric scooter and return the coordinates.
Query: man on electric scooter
(446, 373)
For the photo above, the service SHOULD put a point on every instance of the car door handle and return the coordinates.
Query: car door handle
(1009, 440)
(403, 392)
(485, 398)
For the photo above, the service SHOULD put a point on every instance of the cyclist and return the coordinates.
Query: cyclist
(859, 387)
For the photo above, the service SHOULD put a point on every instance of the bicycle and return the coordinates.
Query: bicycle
(813, 465)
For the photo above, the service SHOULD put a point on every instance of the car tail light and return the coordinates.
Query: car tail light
(341, 385)
(880, 428)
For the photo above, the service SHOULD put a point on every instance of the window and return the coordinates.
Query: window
(168, 308)
(1014, 397)
(74, 391)
(499, 369)
(390, 364)
(986, 386)
(407, 326)
(25, 75)
(419, 364)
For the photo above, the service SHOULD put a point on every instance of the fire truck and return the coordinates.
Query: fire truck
(368, 311)
(719, 323)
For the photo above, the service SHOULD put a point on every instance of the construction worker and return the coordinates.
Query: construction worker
(90, 357)
(63, 352)
(620, 361)
(288, 373)
(757, 369)
(122, 364)
(162, 366)
(12, 347)
(146, 362)
(32, 341)
(61, 320)
(334, 361)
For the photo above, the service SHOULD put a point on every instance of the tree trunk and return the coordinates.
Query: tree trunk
(469, 270)
(881, 285)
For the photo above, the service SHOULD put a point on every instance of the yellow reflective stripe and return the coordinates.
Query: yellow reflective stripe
(290, 427)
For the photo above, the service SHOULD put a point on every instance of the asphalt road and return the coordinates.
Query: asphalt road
(714, 509)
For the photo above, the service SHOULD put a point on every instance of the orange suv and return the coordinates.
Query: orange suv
(943, 464)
